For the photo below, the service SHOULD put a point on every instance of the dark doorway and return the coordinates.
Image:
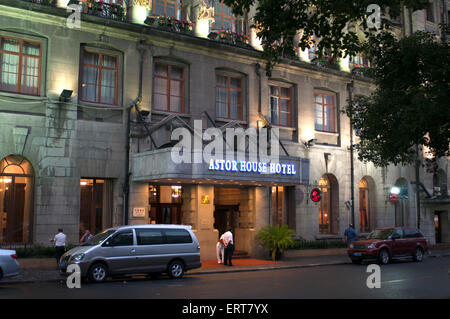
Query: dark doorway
(166, 214)
(437, 227)
(225, 218)
(14, 207)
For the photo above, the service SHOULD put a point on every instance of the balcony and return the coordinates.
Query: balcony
(91, 7)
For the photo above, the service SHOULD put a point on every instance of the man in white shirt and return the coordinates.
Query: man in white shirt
(227, 238)
(60, 244)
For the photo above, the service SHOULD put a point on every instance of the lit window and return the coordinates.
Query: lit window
(325, 112)
(224, 19)
(99, 77)
(229, 97)
(168, 88)
(280, 105)
(167, 8)
(20, 66)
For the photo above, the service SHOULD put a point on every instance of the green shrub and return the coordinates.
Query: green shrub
(275, 238)
(38, 252)
(317, 244)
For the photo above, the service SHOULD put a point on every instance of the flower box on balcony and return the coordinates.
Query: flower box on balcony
(362, 70)
(229, 37)
(327, 62)
(170, 24)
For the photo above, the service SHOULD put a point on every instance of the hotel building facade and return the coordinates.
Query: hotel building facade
(101, 156)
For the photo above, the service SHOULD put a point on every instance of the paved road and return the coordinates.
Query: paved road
(429, 279)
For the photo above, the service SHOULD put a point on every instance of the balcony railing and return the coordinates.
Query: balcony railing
(92, 7)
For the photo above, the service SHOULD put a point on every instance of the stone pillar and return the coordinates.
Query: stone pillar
(139, 200)
(138, 11)
(205, 232)
(58, 185)
(262, 208)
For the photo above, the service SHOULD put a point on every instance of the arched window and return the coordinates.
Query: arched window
(16, 194)
(329, 205)
(367, 203)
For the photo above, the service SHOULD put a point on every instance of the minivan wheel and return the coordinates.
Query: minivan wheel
(176, 269)
(98, 273)
(383, 257)
(418, 254)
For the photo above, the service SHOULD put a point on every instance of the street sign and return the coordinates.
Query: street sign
(315, 195)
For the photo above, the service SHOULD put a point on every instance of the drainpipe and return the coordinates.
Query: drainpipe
(352, 169)
(141, 47)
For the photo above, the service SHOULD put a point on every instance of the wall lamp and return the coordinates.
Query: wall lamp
(65, 95)
(310, 143)
(144, 113)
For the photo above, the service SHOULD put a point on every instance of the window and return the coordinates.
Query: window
(280, 105)
(167, 8)
(99, 77)
(325, 112)
(168, 88)
(224, 18)
(229, 97)
(358, 60)
(20, 65)
(16, 198)
(313, 51)
(178, 236)
(122, 239)
(149, 237)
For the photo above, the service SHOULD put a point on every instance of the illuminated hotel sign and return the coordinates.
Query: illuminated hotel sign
(251, 167)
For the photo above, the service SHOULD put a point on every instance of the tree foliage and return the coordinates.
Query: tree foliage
(410, 105)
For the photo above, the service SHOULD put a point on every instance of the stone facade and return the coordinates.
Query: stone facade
(69, 141)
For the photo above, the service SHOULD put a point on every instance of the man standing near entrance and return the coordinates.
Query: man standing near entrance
(227, 238)
(350, 234)
(60, 245)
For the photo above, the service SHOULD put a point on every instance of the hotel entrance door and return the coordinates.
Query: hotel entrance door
(225, 218)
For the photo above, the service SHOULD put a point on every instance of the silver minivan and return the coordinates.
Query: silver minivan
(138, 249)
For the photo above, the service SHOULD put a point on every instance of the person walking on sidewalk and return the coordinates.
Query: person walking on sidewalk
(350, 234)
(60, 244)
(228, 242)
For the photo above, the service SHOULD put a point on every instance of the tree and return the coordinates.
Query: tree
(335, 22)
(410, 105)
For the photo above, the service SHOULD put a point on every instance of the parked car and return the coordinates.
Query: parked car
(9, 266)
(386, 244)
(139, 249)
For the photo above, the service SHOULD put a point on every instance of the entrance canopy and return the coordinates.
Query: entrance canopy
(158, 166)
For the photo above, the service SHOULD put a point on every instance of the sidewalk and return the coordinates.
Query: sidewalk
(44, 270)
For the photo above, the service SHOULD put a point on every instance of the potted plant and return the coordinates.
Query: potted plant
(117, 11)
(276, 239)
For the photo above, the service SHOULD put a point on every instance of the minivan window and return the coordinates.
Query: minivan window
(149, 237)
(122, 239)
(99, 238)
(178, 236)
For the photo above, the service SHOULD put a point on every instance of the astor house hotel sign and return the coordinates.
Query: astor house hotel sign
(241, 155)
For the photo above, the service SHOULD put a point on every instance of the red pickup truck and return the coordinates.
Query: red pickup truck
(385, 244)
